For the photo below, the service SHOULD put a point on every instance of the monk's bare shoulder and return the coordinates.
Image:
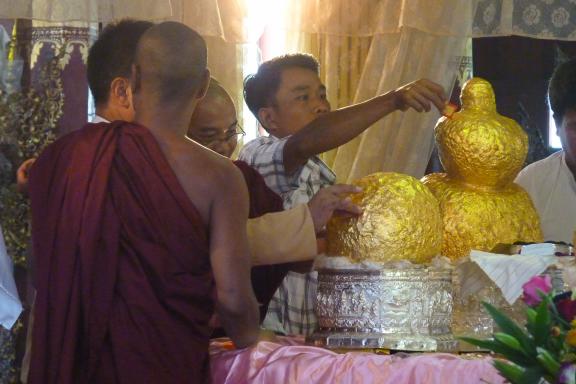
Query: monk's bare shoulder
(213, 167)
(203, 174)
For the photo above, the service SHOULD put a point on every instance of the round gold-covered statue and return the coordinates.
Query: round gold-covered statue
(482, 152)
(401, 220)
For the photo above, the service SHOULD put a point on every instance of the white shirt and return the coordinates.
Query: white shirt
(99, 119)
(10, 306)
(552, 188)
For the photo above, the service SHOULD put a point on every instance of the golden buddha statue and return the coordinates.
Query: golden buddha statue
(401, 220)
(482, 152)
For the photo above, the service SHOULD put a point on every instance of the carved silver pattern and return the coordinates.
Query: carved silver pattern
(406, 309)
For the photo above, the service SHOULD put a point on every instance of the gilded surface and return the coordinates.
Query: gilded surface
(401, 221)
(477, 145)
(480, 219)
(482, 153)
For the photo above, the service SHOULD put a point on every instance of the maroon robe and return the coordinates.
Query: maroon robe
(122, 269)
(265, 278)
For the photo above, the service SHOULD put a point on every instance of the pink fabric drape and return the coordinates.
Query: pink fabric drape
(288, 360)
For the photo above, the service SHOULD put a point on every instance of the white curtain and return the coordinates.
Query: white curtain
(401, 142)
(405, 40)
(397, 41)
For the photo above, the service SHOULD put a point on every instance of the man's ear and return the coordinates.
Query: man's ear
(267, 117)
(120, 92)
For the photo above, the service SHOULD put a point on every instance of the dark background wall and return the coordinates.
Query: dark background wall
(519, 69)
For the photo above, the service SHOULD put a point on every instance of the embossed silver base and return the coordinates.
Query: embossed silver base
(416, 343)
(408, 309)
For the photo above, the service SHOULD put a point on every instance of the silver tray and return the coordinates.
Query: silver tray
(355, 340)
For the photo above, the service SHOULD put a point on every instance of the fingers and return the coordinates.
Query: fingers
(24, 168)
(417, 102)
(22, 175)
(432, 94)
(420, 94)
(346, 206)
(437, 89)
(342, 189)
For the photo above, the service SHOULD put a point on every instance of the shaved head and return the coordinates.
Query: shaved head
(217, 92)
(170, 63)
(214, 123)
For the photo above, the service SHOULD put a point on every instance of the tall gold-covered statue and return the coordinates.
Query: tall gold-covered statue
(482, 152)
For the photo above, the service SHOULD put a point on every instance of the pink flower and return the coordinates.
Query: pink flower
(541, 284)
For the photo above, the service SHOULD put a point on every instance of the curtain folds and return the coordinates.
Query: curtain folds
(365, 47)
(414, 39)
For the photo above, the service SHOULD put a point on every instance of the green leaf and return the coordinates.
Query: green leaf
(541, 328)
(548, 361)
(530, 316)
(510, 372)
(511, 328)
(532, 375)
(502, 349)
(530, 319)
(508, 340)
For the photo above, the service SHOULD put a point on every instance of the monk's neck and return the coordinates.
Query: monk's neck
(111, 114)
(171, 119)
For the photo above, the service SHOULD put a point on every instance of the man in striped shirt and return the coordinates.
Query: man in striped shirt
(289, 100)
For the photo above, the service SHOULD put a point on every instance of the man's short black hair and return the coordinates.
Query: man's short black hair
(260, 88)
(562, 90)
(112, 55)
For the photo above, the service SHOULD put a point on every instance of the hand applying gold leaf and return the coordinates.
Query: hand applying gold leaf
(420, 95)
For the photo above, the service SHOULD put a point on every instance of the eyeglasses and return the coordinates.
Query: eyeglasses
(226, 137)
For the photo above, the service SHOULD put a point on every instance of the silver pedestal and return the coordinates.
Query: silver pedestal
(407, 309)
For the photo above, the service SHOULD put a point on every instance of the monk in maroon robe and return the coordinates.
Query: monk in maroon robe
(133, 238)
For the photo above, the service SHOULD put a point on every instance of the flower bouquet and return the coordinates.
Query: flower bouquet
(545, 349)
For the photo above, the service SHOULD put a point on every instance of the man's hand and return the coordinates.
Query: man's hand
(329, 200)
(420, 95)
(23, 174)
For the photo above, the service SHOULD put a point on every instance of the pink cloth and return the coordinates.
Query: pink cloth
(289, 361)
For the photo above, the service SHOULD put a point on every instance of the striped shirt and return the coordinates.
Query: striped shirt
(291, 310)
(266, 155)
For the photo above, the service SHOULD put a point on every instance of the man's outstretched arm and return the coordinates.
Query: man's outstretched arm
(338, 127)
(230, 258)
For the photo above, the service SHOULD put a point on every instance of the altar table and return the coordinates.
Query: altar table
(288, 360)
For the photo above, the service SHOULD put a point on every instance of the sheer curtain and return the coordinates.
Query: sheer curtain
(367, 48)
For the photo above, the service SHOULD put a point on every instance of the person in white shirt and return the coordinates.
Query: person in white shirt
(551, 182)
